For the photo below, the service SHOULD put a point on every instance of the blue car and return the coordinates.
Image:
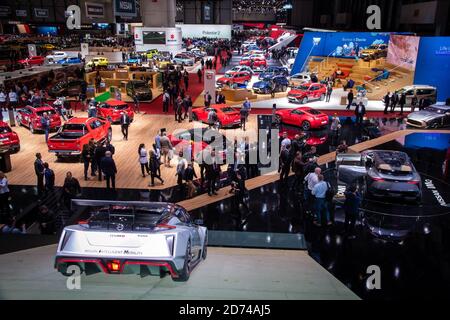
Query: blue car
(71, 60)
(133, 60)
(272, 71)
(263, 87)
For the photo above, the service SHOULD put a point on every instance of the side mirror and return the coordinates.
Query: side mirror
(198, 221)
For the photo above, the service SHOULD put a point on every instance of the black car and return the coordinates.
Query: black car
(71, 88)
(140, 89)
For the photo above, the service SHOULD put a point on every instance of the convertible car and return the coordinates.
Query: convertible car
(227, 116)
(435, 116)
(383, 173)
(145, 238)
(305, 117)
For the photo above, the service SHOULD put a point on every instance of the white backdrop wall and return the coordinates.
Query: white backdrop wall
(222, 31)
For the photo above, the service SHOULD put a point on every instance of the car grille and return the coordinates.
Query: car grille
(415, 123)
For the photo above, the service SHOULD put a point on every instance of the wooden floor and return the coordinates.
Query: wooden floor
(143, 130)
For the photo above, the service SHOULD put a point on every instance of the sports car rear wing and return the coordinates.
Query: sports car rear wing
(123, 215)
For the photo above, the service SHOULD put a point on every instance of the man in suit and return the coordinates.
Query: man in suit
(99, 153)
(394, 101)
(109, 169)
(350, 97)
(212, 174)
(208, 99)
(402, 102)
(285, 163)
(360, 111)
(329, 91)
(386, 101)
(124, 123)
(39, 170)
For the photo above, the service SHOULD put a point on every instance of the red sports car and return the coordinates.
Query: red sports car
(112, 110)
(228, 116)
(9, 140)
(305, 117)
(32, 61)
(241, 77)
(258, 63)
(307, 92)
(311, 138)
(31, 117)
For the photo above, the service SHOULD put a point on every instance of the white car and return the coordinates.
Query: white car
(239, 69)
(56, 56)
(299, 78)
(131, 237)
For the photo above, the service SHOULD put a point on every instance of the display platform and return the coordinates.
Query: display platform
(227, 273)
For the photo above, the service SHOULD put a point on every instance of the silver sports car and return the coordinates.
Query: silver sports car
(435, 116)
(145, 238)
(384, 173)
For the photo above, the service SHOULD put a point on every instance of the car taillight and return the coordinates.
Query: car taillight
(413, 182)
(377, 179)
(165, 226)
(83, 222)
(113, 265)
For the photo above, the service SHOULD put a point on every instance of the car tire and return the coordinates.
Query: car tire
(19, 123)
(109, 136)
(322, 97)
(305, 100)
(246, 83)
(283, 89)
(30, 126)
(306, 125)
(184, 274)
(194, 116)
(205, 247)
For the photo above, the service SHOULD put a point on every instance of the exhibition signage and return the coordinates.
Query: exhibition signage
(40, 13)
(95, 10)
(21, 13)
(125, 8)
(215, 31)
(210, 83)
(5, 11)
(32, 50)
(84, 49)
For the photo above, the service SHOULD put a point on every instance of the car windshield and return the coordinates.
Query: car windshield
(228, 110)
(140, 85)
(435, 110)
(120, 107)
(373, 47)
(5, 130)
(228, 75)
(130, 217)
(303, 87)
(313, 111)
(49, 112)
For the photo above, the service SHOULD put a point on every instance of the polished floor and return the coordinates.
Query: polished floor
(226, 274)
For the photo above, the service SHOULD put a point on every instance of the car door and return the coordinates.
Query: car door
(409, 94)
(185, 220)
(295, 117)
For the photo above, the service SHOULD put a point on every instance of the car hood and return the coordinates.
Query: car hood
(266, 75)
(297, 92)
(423, 115)
(260, 84)
(224, 79)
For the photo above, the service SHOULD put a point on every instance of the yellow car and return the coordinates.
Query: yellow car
(163, 64)
(98, 62)
(151, 53)
(48, 46)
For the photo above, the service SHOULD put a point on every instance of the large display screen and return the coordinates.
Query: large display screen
(154, 37)
(47, 30)
(403, 51)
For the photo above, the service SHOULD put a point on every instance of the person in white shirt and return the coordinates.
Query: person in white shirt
(2, 100)
(143, 159)
(13, 99)
(4, 193)
(181, 166)
(286, 141)
(311, 179)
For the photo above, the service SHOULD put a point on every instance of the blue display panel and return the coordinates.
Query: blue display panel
(438, 141)
(47, 30)
(335, 44)
(433, 65)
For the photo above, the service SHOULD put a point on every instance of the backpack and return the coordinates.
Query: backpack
(330, 192)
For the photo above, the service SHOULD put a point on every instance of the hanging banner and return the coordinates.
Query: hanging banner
(40, 13)
(32, 50)
(95, 10)
(125, 8)
(84, 50)
(210, 83)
